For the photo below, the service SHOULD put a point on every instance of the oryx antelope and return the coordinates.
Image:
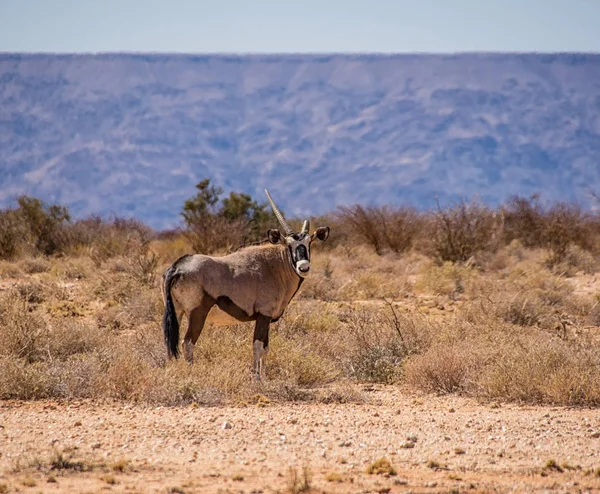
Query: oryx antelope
(253, 284)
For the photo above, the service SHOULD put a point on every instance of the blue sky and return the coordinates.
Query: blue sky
(258, 26)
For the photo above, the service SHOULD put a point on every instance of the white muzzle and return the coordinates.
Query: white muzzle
(302, 268)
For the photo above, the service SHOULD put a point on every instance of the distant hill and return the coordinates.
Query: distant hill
(132, 134)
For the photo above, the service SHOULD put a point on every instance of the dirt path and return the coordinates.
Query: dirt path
(477, 448)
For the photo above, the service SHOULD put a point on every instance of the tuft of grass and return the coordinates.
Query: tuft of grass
(334, 477)
(237, 477)
(299, 482)
(120, 465)
(62, 461)
(552, 465)
(28, 482)
(109, 479)
(383, 466)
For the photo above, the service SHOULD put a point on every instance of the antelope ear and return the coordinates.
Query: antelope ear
(274, 236)
(322, 233)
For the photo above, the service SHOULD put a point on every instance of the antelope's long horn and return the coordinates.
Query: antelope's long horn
(275, 209)
(306, 226)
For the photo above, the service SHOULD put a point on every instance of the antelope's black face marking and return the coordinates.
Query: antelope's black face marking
(299, 246)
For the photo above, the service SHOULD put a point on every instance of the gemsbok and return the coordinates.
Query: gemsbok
(253, 284)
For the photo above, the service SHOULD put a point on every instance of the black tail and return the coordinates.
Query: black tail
(170, 323)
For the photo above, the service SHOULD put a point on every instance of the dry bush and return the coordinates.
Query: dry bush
(142, 266)
(442, 369)
(72, 269)
(566, 224)
(10, 270)
(543, 369)
(576, 260)
(297, 363)
(33, 227)
(457, 233)
(556, 228)
(23, 329)
(449, 279)
(377, 339)
(524, 220)
(382, 227)
(70, 337)
(479, 354)
(210, 234)
(364, 223)
(22, 380)
(33, 265)
(377, 351)
(104, 239)
(12, 233)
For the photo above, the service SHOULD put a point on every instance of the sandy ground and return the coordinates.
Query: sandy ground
(446, 444)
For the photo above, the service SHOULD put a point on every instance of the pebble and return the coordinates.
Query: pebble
(226, 425)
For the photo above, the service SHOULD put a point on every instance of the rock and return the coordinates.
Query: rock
(407, 445)
(226, 425)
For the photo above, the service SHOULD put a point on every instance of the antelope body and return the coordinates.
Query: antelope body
(253, 284)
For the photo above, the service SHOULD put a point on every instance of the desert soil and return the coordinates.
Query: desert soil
(436, 444)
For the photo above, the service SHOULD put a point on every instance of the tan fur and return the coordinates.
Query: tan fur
(257, 279)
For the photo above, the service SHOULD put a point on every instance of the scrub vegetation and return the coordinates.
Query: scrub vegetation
(496, 303)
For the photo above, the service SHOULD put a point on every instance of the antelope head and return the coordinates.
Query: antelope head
(298, 243)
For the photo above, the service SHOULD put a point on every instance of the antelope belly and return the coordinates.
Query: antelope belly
(219, 317)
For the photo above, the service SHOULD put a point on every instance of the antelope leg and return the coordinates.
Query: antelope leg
(261, 345)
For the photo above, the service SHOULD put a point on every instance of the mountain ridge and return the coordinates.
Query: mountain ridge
(131, 134)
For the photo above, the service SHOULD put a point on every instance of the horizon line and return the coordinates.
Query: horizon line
(298, 53)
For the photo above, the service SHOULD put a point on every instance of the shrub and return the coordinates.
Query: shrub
(384, 228)
(557, 228)
(45, 224)
(22, 328)
(441, 369)
(566, 224)
(524, 220)
(11, 233)
(223, 225)
(459, 232)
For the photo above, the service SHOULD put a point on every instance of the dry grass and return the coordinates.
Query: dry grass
(506, 325)
(299, 482)
(382, 466)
